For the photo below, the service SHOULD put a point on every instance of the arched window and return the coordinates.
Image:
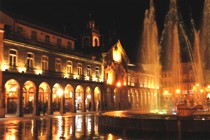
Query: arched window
(96, 42)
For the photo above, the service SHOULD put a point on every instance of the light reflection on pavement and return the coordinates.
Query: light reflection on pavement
(52, 128)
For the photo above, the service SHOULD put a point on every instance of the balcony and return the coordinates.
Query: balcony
(47, 73)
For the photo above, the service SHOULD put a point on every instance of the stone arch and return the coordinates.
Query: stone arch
(44, 91)
(79, 98)
(97, 98)
(44, 94)
(29, 91)
(12, 89)
(88, 98)
(57, 96)
(69, 98)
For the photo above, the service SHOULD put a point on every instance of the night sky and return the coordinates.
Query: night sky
(125, 16)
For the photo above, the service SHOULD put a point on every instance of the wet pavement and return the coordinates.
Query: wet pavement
(80, 125)
(52, 127)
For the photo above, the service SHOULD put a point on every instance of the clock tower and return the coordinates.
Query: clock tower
(91, 37)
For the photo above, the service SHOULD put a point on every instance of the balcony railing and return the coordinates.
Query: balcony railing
(47, 73)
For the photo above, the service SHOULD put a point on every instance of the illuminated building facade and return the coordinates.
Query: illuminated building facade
(42, 68)
(190, 92)
(143, 92)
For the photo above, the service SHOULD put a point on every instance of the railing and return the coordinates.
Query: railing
(15, 69)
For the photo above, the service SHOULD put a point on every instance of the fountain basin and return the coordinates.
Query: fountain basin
(128, 123)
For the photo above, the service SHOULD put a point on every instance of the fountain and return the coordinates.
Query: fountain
(165, 58)
(170, 55)
(150, 49)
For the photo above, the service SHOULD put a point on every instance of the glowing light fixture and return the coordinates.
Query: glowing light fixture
(118, 84)
(76, 76)
(22, 69)
(116, 55)
(177, 91)
(4, 67)
(59, 92)
(38, 72)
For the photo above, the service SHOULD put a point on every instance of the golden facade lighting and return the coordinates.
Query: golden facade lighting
(178, 91)
(66, 75)
(4, 67)
(118, 84)
(22, 69)
(38, 72)
(116, 55)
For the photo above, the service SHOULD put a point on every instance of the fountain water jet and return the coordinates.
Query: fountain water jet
(170, 57)
(150, 52)
(140, 121)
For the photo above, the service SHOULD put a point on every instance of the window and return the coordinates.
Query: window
(58, 65)
(69, 45)
(12, 58)
(88, 70)
(34, 35)
(47, 38)
(44, 63)
(97, 72)
(79, 67)
(30, 60)
(59, 42)
(96, 42)
(69, 67)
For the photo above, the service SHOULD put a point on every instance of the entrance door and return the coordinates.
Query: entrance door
(11, 105)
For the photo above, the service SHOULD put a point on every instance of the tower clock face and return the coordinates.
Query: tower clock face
(116, 55)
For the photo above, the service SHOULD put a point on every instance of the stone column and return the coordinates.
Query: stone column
(83, 101)
(62, 98)
(92, 100)
(73, 102)
(49, 106)
(37, 108)
(2, 96)
(19, 112)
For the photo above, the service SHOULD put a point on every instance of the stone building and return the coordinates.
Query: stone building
(43, 68)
